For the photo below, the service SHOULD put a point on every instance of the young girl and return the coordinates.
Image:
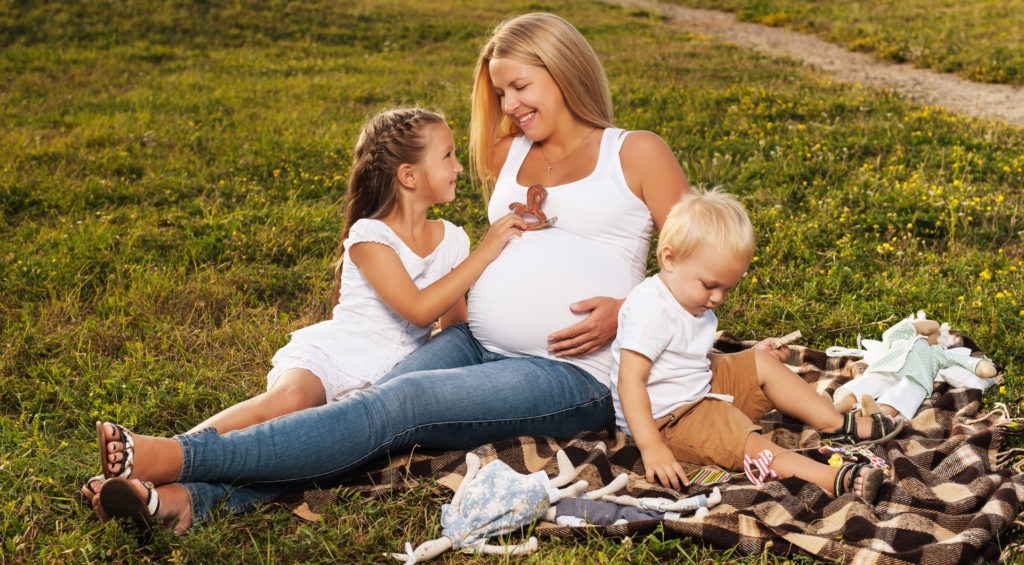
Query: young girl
(396, 272)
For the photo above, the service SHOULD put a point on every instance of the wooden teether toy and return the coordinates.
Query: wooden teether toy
(534, 197)
(787, 339)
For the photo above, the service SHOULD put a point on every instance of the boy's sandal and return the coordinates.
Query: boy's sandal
(847, 476)
(882, 428)
(124, 436)
(118, 499)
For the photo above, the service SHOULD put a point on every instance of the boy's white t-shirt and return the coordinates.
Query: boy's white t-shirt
(654, 324)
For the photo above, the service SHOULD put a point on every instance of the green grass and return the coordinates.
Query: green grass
(170, 191)
(981, 40)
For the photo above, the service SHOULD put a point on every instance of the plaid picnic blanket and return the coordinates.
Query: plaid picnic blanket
(953, 497)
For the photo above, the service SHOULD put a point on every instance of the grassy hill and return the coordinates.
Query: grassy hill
(171, 180)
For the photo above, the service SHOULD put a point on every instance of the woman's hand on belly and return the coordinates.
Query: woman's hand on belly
(592, 333)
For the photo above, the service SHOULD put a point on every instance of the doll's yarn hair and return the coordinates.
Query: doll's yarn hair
(388, 140)
(708, 218)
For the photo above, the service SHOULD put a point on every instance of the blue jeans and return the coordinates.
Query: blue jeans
(449, 394)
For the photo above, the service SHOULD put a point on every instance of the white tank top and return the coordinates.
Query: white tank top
(597, 247)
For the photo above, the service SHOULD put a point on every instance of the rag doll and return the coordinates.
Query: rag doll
(610, 509)
(491, 501)
(903, 368)
(495, 499)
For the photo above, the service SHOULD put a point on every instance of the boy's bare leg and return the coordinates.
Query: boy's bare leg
(792, 396)
(791, 464)
(294, 390)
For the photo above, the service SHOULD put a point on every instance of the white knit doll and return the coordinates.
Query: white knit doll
(903, 368)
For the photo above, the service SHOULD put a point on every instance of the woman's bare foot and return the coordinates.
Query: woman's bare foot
(175, 508)
(174, 512)
(157, 460)
(91, 487)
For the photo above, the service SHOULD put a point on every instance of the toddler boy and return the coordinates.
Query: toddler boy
(679, 401)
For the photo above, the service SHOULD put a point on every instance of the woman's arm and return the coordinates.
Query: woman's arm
(654, 175)
(387, 276)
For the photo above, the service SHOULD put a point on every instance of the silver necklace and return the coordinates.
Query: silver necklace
(567, 155)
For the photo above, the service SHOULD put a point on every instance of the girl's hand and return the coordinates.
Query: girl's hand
(782, 353)
(592, 333)
(499, 234)
(661, 466)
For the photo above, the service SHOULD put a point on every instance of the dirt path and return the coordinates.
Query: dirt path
(991, 101)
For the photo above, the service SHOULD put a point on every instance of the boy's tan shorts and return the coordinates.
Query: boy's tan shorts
(712, 431)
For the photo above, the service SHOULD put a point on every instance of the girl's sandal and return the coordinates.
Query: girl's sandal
(846, 481)
(882, 428)
(125, 437)
(87, 491)
(118, 499)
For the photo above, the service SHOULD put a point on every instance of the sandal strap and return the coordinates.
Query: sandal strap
(846, 478)
(125, 437)
(87, 490)
(838, 488)
(845, 434)
(880, 426)
(152, 499)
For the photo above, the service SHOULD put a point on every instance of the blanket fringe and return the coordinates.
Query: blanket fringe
(1006, 426)
(1003, 459)
(1010, 551)
(999, 409)
(1009, 427)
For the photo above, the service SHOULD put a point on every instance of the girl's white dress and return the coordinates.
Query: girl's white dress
(365, 338)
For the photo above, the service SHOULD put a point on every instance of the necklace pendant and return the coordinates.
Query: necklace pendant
(549, 168)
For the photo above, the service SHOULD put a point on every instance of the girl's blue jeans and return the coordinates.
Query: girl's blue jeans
(449, 394)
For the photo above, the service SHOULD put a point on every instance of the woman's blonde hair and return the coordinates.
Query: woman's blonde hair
(541, 40)
(388, 140)
(711, 217)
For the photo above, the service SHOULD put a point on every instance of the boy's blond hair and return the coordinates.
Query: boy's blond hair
(711, 217)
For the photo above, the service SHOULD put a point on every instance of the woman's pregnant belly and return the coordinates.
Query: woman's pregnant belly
(524, 295)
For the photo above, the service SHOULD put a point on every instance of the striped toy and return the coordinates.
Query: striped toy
(761, 464)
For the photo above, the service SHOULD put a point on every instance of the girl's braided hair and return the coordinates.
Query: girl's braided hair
(388, 140)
